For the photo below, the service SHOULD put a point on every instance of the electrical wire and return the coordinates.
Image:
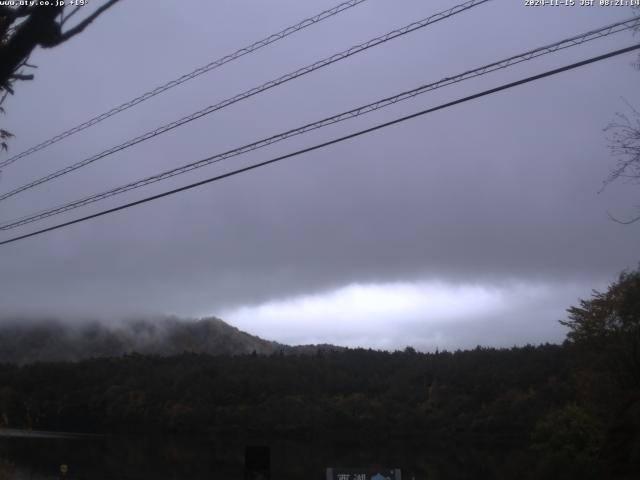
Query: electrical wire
(186, 77)
(356, 112)
(249, 93)
(331, 142)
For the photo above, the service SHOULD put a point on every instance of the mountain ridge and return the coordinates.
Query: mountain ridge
(24, 341)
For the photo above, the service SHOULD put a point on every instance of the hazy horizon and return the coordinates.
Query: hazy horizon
(477, 224)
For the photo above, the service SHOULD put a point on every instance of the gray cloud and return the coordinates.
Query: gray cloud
(499, 190)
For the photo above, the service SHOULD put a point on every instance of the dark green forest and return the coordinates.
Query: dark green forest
(574, 408)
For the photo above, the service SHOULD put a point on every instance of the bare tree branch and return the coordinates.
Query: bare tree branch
(38, 27)
(21, 76)
(623, 136)
(624, 144)
(13, 13)
(82, 25)
(71, 14)
(623, 222)
(24, 28)
(4, 135)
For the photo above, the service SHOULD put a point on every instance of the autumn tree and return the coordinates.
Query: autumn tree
(608, 326)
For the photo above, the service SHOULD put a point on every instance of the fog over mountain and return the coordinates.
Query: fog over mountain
(488, 211)
(28, 340)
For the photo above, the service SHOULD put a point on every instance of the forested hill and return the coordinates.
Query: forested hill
(467, 392)
(570, 421)
(27, 340)
(573, 409)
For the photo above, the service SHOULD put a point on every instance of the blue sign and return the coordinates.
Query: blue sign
(363, 474)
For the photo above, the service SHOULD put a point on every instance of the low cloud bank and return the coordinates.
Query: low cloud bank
(426, 315)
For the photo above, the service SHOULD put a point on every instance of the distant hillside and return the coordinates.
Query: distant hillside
(27, 341)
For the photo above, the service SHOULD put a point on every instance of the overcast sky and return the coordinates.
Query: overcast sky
(478, 224)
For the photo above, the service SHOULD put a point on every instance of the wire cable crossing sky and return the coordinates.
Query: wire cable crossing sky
(332, 142)
(254, 91)
(590, 35)
(188, 76)
(472, 225)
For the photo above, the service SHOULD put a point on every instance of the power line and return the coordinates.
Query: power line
(362, 110)
(330, 142)
(184, 78)
(254, 91)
